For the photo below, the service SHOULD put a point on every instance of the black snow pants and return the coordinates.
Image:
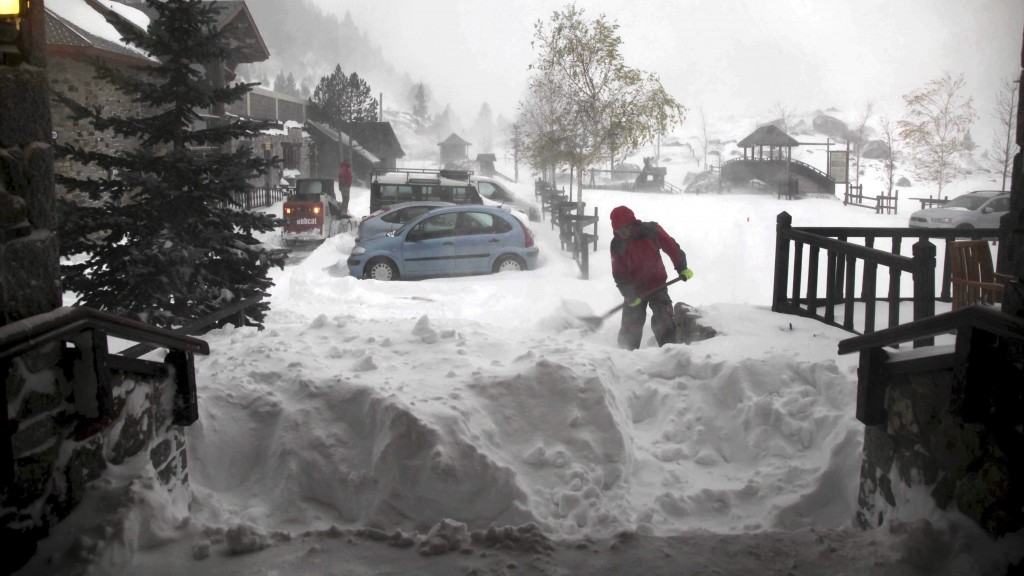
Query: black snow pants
(633, 319)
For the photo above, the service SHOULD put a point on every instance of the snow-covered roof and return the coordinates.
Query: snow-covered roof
(75, 23)
(82, 24)
(346, 139)
(768, 135)
(453, 140)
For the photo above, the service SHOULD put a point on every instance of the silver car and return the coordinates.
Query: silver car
(394, 217)
(978, 209)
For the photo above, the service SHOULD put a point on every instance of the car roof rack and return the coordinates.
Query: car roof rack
(425, 175)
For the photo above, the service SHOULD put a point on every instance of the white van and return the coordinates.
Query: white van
(495, 192)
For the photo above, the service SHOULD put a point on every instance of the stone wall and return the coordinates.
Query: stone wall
(927, 447)
(29, 271)
(74, 80)
(58, 451)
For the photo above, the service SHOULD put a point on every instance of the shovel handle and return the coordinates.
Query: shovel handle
(643, 296)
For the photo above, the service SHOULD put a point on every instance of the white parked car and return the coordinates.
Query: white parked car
(495, 193)
(978, 209)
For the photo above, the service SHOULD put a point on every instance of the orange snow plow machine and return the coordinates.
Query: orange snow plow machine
(312, 212)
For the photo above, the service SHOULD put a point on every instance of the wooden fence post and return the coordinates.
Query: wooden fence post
(783, 222)
(924, 285)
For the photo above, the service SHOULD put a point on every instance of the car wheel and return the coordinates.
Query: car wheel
(382, 270)
(509, 263)
(964, 227)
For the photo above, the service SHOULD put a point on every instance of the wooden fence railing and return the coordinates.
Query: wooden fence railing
(235, 313)
(881, 203)
(567, 215)
(851, 272)
(259, 197)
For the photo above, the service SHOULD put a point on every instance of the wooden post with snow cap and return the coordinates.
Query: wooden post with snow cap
(782, 225)
(924, 285)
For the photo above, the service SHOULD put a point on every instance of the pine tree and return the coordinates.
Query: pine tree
(339, 99)
(419, 106)
(289, 85)
(162, 239)
(280, 82)
(483, 128)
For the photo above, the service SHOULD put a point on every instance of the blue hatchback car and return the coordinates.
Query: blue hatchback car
(460, 240)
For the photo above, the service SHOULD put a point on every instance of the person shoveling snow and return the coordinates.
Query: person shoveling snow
(640, 276)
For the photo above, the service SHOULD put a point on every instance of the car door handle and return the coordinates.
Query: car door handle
(449, 243)
(494, 240)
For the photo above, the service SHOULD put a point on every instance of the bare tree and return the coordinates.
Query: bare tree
(785, 114)
(860, 135)
(704, 137)
(933, 130)
(1003, 145)
(540, 138)
(598, 100)
(892, 152)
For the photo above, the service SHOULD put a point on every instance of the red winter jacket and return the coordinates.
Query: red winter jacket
(636, 261)
(345, 177)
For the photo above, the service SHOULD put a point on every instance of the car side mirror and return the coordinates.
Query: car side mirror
(986, 210)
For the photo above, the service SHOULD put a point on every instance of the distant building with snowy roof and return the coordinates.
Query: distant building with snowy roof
(454, 150)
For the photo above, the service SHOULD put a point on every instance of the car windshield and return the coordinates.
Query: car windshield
(967, 201)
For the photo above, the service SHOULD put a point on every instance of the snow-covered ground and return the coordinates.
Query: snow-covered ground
(384, 428)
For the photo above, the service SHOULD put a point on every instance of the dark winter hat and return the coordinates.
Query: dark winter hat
(622, 217)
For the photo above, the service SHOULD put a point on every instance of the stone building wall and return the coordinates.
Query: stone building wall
(927, 447)
(74, 79)
(58, 451)
(29, 270)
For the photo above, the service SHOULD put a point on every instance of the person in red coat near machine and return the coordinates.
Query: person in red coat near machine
(345, 184)
(640, 275)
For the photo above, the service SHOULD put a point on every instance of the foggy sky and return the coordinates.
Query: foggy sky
(723, 56)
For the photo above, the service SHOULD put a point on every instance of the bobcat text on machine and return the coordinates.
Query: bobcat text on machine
(312, 212)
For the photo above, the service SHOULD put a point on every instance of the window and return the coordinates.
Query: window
(1000, 205)
(291, 152)
(488, 190)
(403, 216)
(475, 223)
(395, 193)
(440, 226)
(481, 223)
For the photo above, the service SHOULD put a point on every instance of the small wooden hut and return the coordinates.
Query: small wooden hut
(453, 150)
